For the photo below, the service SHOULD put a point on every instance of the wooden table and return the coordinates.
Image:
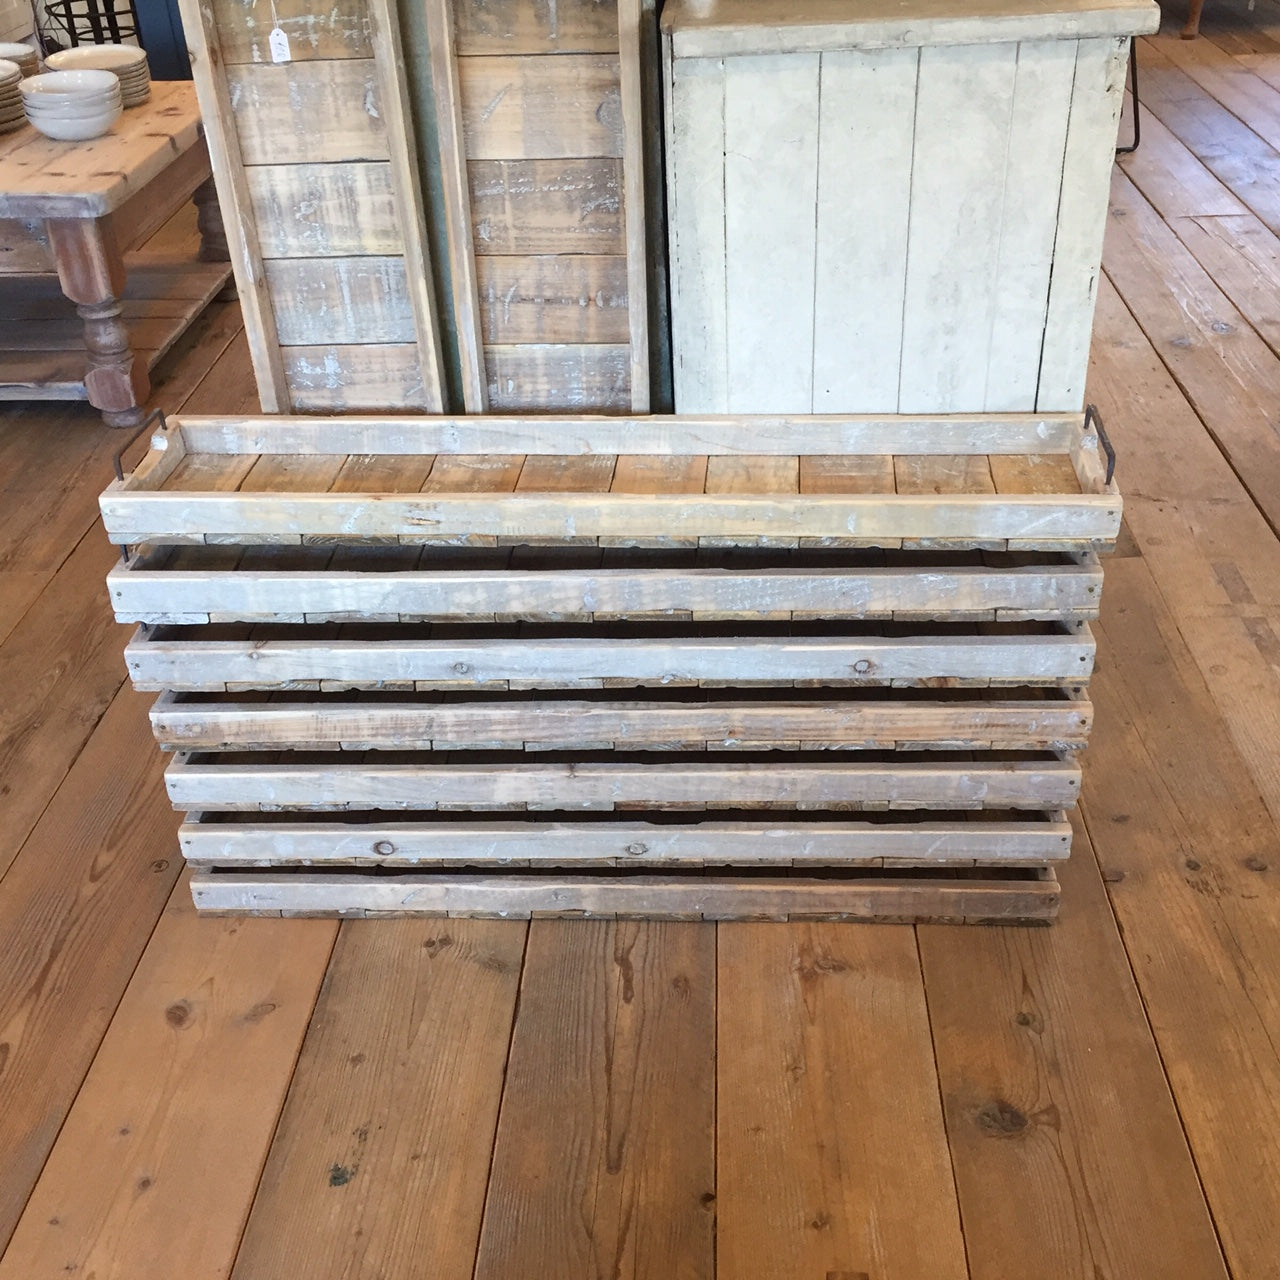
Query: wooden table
(90, 332)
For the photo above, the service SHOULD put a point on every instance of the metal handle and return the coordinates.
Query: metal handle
(156, 415)
(1092, 418)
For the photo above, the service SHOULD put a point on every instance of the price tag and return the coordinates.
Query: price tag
(279, 44)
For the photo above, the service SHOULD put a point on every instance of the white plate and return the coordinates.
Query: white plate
(119, 58)
(69, 83)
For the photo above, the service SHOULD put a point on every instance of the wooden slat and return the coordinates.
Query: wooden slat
(215, 784)
(633, 15)
(323, 301)
(546, 206)
(276, 108)
(1001, 724)
(340, 378)
(325, 210)
(1050, 521)
(842, 473)
(809, 1018)
(491, 473)
(558, 377)
(538, 108)
(550, 299)
(225, 1006)
(943, 474)
(755, 433)
(605, 1155)
(636, 473)
(247, 842)
(574, 664)
(393, 104)
(549, 473)
(147, 591)
(397, 1087)
(340, 30)
(545, 26)
(1007, 897)
(462, 247)
(213, 85)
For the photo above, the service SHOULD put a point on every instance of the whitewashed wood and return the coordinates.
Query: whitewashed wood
(1065, 658)
(695, 211)
(1050, 521)
(770, 184)
(713, 28)
(657, 435)
(324, 210)
(457, 202)
(1028, 223)
(961, 153)
(324, 301)
(1091, 139)
(991, 723)
(868, 113)
(244, 843)
(591, 786)
(142, 594)
(630, 16)
(393, 100)
(998, 896)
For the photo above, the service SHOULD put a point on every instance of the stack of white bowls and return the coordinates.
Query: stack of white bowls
(12, 116)
(72, 105)
(24, 55)
(127, 61)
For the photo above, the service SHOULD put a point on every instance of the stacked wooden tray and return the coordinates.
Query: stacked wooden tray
(607, 666)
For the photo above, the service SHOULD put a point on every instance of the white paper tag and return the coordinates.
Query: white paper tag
(279, 43)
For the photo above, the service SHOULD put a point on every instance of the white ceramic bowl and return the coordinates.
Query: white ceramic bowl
(69, 84)
(10, 72)
(14, 51)
(72, 110)
(123, 59)
(79, 130)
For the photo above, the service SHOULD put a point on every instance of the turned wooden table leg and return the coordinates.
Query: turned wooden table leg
(91, 272)
(213, 234)
(1192, 29)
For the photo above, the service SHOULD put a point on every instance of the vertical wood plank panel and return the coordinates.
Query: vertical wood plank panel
(604, 1162)
(630, 15)
(1032, 183)
(957, 192)
(864, 191)
(406, 185)
(1082, 216)
(696, 208)
(441, 18)
(770, 168)
(819, 1026)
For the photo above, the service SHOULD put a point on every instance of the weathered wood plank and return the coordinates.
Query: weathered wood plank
(1029, 840)
(605, 1153)
(808, 1018)
(553, 299)
(324, 210)
(217, 784)
(546, 206)
(340, 30)
(1002, 724)
(559, 377)
(215, 664)
(397, 1088)
(225, 1006)
(544, 26)
(337, 301)
(277, 106)
(539, 108)
(339, 378)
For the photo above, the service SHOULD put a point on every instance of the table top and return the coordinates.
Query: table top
(721, 28)
(41, 178)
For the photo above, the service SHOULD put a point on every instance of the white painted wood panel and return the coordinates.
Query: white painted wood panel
(964, 111)
(770, 183)
(867, 124)
(1028, 220)
(699, 335)
(1082, 216)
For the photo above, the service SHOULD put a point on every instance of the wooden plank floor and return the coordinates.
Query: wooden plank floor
(193, 1099)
